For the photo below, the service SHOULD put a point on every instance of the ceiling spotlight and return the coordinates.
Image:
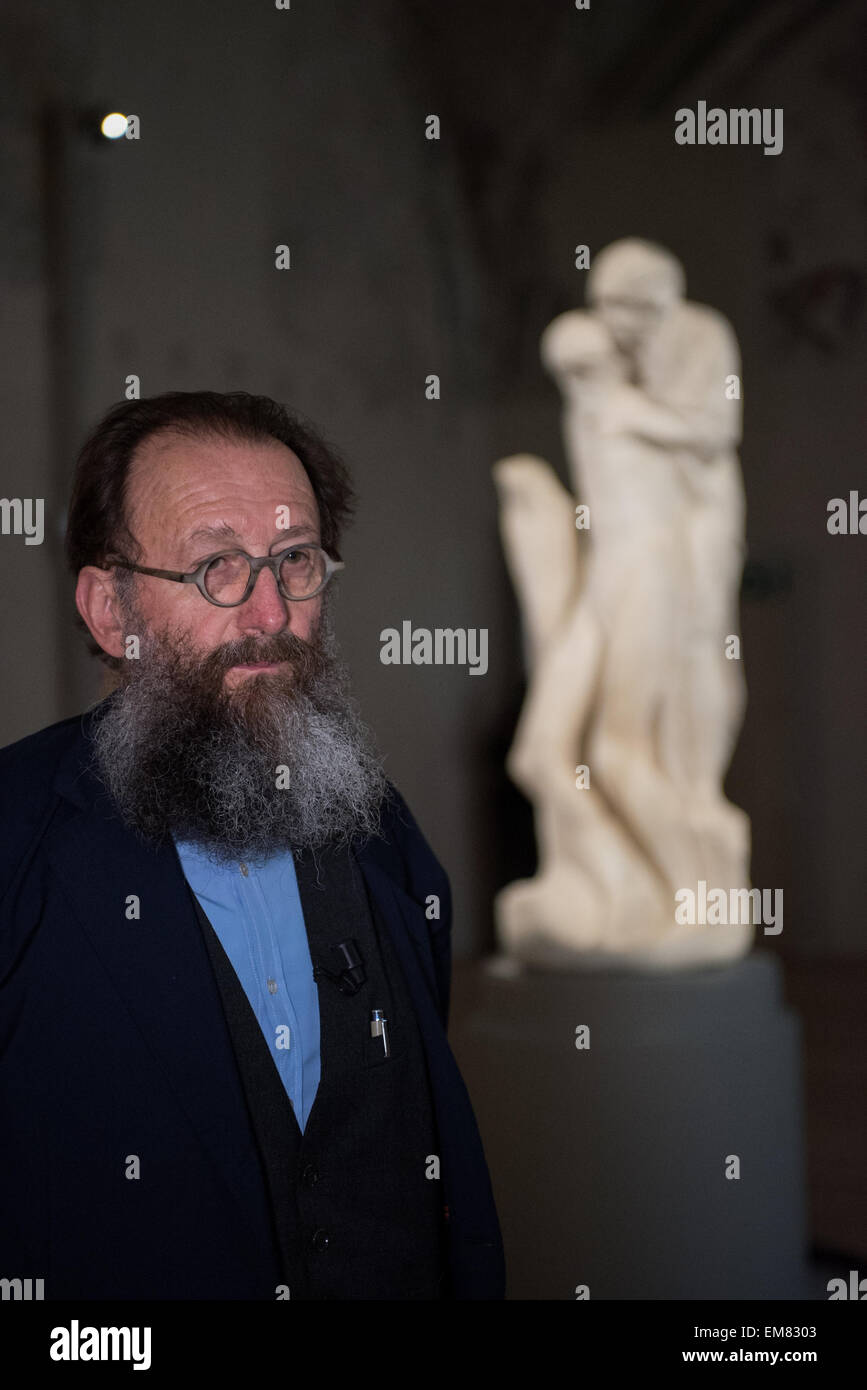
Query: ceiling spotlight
(113, 126)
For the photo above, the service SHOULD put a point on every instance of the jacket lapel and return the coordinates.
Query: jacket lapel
(158, 963)
(405, 919)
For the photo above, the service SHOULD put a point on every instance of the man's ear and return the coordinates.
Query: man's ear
(96, 601)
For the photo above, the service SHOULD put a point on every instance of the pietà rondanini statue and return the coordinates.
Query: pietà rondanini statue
(628, 586)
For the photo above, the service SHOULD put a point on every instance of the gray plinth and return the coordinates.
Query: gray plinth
(609, 1164)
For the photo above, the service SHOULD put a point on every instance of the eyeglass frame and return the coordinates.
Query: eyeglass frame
(256, 563)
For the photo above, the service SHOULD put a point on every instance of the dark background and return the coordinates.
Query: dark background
(410, 257)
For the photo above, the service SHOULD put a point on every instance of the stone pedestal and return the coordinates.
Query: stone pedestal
(609, 1162)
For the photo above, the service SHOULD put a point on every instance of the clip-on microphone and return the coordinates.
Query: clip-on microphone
(351, 975)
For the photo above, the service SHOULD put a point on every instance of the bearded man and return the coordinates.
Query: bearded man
(224, 942)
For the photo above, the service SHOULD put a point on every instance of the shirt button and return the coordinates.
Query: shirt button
(320, 1240)
(272, 986)
(244, 870)
(310, 1175)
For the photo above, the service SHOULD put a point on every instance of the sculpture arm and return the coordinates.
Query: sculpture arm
(687, 395)
(704, 429)
(537, 524)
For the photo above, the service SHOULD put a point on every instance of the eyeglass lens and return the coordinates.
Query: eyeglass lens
(301, 572)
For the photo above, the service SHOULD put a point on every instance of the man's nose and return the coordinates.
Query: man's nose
(266, 610)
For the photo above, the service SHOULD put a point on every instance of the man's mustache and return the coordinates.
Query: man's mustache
(248, 651)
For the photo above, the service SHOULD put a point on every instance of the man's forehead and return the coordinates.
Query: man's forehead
(170, 462)
(190, 451)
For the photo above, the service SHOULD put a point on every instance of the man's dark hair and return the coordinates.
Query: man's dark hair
(97, 527)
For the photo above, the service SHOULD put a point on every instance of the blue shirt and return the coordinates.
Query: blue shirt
(255, 909)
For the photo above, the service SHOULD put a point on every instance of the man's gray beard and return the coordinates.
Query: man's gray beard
(182, 756)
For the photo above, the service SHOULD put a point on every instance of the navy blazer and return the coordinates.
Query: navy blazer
(113, 1044)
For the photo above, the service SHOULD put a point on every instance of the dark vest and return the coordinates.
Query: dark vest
(354, 1214)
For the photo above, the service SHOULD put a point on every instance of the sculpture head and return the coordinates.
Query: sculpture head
(633, 285)
(577, 344)
(581, 355)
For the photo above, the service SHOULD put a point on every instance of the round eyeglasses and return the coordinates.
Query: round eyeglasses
(227, 579)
